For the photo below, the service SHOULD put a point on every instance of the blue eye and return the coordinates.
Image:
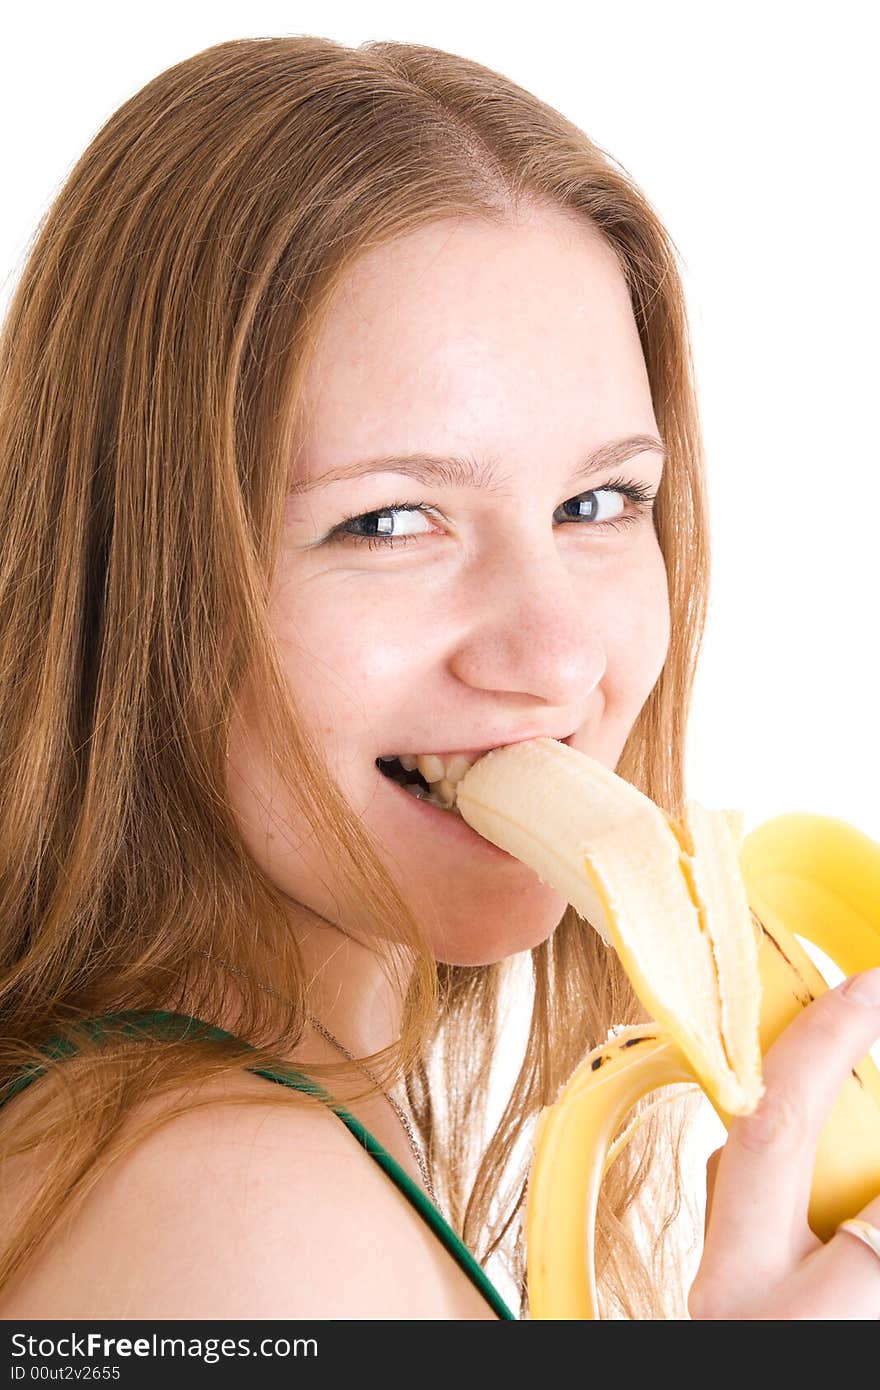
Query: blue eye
(640, 497)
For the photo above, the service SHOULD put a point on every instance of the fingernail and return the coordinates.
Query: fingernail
(864, 988)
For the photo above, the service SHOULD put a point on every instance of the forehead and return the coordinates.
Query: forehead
(482, 323)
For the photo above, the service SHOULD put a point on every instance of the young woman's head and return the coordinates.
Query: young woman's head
(282, 261)
(500, 592)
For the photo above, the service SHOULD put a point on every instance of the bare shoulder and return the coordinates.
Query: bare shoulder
(234, 1210)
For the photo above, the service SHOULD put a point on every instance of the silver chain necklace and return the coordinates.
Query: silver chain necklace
(325, 1032)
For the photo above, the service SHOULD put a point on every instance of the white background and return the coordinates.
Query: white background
(752, 128)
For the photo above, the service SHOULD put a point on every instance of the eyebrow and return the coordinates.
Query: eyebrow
(463, 471)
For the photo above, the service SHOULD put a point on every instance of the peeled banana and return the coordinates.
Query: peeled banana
(706, 926)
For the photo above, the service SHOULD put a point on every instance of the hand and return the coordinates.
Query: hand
(760, 1258)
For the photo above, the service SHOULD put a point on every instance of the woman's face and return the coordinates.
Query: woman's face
(508, 605)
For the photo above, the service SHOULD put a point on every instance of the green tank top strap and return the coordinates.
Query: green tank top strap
(179, 1027)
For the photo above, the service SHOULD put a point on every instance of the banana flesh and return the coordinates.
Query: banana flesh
(802, 877)
(665, 893)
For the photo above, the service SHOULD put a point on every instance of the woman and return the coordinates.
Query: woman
(347, 416)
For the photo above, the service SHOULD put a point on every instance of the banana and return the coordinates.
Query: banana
(665, 893)
(706, 924)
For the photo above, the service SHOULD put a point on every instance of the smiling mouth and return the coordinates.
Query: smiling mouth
(434, 777)
(441, 795)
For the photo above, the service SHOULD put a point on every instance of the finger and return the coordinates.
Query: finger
(711, 1172)
(764, 1176)
(851, 1269)
(842, 1278)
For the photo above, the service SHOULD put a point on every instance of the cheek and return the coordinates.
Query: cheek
(635, 632)
(638, 630)
(654, 620)
(351, 655)
(348, 655)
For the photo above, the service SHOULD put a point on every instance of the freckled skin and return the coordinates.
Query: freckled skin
(516, 345)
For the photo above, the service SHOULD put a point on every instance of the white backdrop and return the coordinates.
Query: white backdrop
(752, 129)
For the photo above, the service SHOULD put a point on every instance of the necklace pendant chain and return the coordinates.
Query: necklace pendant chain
(325, 1033)
(398, 1110)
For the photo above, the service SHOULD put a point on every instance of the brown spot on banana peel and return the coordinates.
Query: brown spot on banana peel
(627, 1042)
(768, 935)
(810, 996)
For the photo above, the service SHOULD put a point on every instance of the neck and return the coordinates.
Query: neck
(350, 987)
(351, 993)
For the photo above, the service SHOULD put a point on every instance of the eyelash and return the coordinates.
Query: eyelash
(639, 495)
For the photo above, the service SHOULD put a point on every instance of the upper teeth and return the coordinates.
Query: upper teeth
(441, 774)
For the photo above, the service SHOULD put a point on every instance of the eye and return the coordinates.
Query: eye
(382, 535)
(640, 498)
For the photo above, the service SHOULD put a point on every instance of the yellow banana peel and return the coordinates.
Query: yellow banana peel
(708, 926)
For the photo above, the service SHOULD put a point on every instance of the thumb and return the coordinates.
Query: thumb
(711, 1171)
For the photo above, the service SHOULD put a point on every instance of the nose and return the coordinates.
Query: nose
(531, 629)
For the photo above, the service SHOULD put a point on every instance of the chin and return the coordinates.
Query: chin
(498, 935)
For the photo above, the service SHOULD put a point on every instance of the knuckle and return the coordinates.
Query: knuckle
(779, 1122)
(826, 1014)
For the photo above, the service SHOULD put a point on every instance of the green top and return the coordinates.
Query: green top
(138, 1023)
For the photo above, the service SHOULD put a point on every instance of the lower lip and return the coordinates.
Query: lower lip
(447, 823)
